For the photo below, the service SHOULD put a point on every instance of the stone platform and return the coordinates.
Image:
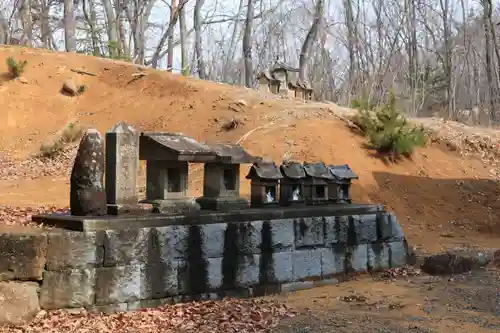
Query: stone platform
(131, 262)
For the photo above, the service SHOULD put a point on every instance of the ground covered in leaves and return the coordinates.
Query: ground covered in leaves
(225, 316)
(409, 303)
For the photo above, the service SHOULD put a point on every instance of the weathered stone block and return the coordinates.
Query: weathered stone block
(247, 272)
(172, 241)
(87, 196)
(295, 286)
(275, 267)
(18, 302)
(159, 280)
(378, 257)
(108, 308)
(366, 228)
(309, 232)
(266, 289)
(389, 228)
(278, 235)
(22, 256)
(74, 249)
(120, 284)
(68, 289)
(333, 260)
(336, 230)
(306, 264)
(357, 258)
(149, 303)
(398, 253)
(124, 247)
(249, 237)
(212, 239)
(199, 275)
(326, 282)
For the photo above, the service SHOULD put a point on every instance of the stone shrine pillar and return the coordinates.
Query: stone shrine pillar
(122, 163)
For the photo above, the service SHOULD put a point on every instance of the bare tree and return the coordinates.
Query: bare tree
(247, 44)
(309, 41)
(198, 49)
(69, 26)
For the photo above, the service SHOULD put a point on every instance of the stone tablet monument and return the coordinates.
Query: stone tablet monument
(122, 162)
(87, 195)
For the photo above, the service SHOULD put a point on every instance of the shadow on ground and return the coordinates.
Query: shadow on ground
(442, 204)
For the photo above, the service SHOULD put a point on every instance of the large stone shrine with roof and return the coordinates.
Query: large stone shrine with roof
(297, 229)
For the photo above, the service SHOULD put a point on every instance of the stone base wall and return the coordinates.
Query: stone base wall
(129, 269)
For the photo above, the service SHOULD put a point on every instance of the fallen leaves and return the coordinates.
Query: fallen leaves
(227, 315)
(405, 271)
(11, 215)
(36, 167)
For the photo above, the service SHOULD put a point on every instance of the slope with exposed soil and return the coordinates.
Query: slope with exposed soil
(441, 197)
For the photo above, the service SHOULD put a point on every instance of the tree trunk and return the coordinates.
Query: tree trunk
(351, 47)
(487, 13)
(232, 45)
(198, 50)
(24, 9)
(184, 56)
(112, 30)
(309, 42)
(170, 37)
(69, 26)
(247, 45)
(169, 32)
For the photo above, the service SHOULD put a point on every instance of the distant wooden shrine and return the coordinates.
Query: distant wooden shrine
(316, 183)
(339, 188)
(264, 180)
(167, 158)
(283, 80)
(292, 184)
(267, 83)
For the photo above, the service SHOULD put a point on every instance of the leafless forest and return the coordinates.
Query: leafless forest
(438, 56)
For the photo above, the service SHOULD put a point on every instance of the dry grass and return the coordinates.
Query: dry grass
(70, 133)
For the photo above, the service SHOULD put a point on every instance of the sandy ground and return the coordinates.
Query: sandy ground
(422, 304)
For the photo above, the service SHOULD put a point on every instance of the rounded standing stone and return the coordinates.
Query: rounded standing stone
(87, 194)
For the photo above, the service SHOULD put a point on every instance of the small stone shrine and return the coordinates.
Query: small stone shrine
(316, 182)
(339, 188)
(264, 180)
(292, 184)
(221, 186)
(167, 158)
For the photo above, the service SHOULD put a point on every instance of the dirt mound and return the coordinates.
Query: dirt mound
(441, 197)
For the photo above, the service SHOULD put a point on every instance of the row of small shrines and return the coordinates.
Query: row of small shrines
(168, 156)
(296, 183)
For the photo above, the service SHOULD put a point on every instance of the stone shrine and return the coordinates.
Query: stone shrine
(340, 186)
(292, 184)
(300, 229)
(122, 163)
(87, 194)
(264, 180)
(316, 183)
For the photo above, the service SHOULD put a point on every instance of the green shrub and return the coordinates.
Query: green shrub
(388, 131)
(16, 68)
(363, 103)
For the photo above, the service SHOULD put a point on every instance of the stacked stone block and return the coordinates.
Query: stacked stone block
(129, 269)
